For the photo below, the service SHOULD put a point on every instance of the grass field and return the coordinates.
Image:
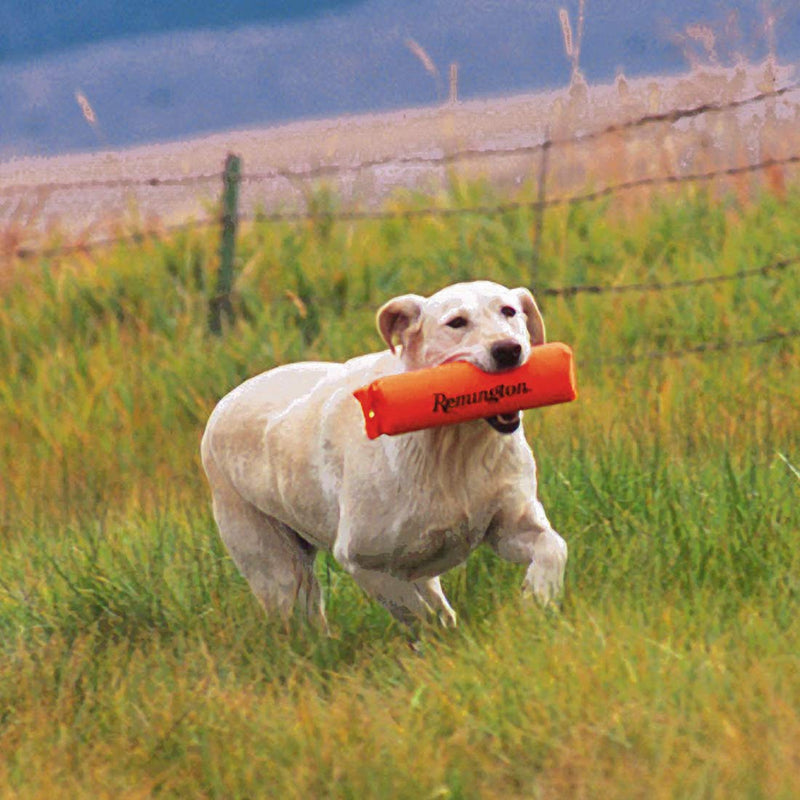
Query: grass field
(134, 662)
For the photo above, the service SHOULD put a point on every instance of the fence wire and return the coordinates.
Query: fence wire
(326, 170)
(672, 116)
(655, 286)
(718, 346)
(466, 154)
(137, 237)
(518, 205)
(109, 183)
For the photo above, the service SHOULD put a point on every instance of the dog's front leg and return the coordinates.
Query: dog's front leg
(526, 537)
(431, 590)
(401, 598)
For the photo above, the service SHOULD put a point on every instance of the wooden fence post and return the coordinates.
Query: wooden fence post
(221, 301)
(540, 205)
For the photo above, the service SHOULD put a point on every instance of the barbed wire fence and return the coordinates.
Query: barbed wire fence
(446, 159)
(230, 217)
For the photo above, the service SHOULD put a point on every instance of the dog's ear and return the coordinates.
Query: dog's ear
(533, 316)
(400, 317)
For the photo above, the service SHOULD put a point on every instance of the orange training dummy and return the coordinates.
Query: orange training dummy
(459, 391)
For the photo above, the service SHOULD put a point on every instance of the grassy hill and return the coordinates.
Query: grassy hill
(134, 662)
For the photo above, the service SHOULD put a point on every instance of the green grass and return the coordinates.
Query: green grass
(134, 662)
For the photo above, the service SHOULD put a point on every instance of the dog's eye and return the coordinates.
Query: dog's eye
(457, 322)
(508, 311)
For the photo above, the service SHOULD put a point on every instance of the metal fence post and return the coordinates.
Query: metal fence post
(540, 206)
(221, 301)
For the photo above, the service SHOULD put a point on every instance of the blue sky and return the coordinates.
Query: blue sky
(35, 27)
(157, 71)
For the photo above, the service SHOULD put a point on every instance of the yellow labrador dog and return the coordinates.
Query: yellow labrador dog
(292, 471)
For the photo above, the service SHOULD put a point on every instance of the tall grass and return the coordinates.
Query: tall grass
(134, 662)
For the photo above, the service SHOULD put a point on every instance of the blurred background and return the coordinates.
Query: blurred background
(154, 71)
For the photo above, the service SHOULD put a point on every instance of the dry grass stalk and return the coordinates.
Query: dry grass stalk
(572, 43)
(419, 51)
(566, 31)
(427, 62)
(86, 108)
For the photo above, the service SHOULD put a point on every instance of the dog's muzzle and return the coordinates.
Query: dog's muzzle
(506, 354)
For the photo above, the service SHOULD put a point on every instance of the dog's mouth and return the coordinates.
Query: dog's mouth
(502, 423)
(505, 423)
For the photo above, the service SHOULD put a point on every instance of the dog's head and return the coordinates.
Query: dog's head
(484, 323)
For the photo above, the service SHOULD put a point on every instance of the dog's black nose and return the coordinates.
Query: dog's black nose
(506, 354)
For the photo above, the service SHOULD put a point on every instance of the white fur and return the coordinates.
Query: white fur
(291, 469)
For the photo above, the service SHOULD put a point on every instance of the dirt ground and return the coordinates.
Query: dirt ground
(37, 198)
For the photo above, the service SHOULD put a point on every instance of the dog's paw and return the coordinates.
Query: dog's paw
(543, 585)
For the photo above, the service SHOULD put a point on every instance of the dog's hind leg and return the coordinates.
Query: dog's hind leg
(277, 564)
